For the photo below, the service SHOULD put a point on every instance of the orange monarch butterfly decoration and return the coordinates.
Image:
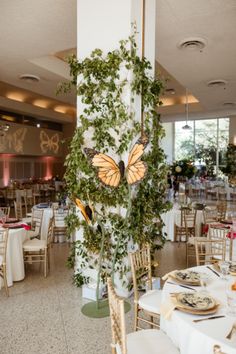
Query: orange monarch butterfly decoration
(86, 210)
(111, 173)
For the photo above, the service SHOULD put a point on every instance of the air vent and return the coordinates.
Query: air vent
(229, 104)
(194, 43)
(217, 83)
(29, 78)
(170, 91)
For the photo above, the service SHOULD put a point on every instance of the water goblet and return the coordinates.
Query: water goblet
(231, 301)
(204, 277)
(224, 268)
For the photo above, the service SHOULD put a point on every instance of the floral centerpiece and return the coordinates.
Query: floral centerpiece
(183, 169)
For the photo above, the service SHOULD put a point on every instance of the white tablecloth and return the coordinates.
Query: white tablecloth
(15, 260)
(173, 216)
(196, 338)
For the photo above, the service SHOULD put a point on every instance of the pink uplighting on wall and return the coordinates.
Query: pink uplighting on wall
(6, 170)
(49, 162)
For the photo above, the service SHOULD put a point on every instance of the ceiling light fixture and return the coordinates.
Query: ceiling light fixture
(186, 126)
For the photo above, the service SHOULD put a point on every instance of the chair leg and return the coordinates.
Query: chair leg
(135, 317)
(152, 320)
(5, 281)
(45, 262)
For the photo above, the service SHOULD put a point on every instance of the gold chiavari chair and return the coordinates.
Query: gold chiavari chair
(18, 210)
(38, 251)
(209, 251)
(149, 303)
(190, 226)
(36, 223)
(179, 228)
(59, 227)
(5, 211)
(3, 256)
(220, 234)
(221, 210)
(149, 341)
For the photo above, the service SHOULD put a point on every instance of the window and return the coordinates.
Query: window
(205, 143)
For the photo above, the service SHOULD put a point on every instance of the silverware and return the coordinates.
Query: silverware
(218, 275)
(182, 286)
(229, 335)
(209, 318)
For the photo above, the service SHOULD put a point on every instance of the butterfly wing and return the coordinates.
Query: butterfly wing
(136, 169)
(108, 170)
(83, 210)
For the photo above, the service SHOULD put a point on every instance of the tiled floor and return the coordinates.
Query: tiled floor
(43, 315)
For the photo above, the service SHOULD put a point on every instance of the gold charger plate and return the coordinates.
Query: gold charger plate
(206, 304)
(183, 281)
(199, 312)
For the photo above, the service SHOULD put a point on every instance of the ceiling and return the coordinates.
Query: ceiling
(34, 35)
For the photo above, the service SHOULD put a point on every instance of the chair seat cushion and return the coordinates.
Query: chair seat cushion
(34, 245)
(149, 341)
(151, 301)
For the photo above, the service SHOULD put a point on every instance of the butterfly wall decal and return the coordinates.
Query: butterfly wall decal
(14, 140)
(86, 210)
(49, 143)
(111, 173)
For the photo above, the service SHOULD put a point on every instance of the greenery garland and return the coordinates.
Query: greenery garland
(100, 83)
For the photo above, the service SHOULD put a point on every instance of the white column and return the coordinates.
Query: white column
(102, 24)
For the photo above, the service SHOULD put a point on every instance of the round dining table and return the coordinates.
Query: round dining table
(199, 338)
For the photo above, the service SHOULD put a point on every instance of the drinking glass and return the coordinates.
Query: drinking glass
(224, 268)
(204, 277)
(231, 302)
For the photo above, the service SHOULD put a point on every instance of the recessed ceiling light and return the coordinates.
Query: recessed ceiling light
(38, 125)
(217, 83)
(170, 91)
(192, 43)
(30, 78)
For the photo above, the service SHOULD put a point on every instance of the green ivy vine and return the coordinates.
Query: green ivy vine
(101, 81)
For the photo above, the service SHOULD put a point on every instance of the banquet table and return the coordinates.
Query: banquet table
(195, 338)
(14, 258)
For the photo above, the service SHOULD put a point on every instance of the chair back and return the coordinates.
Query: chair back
(190, 221)
(117, 315)
(37, 218)
(209, 251)
(50, 231)
(5, 211)
(141, 269)
(18, 210)
(3, 244)
(210, 215)
(221, 210)
(59, 217)
(220, 234)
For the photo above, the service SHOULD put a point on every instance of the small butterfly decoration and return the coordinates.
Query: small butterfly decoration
(110, 173)
(86, 210)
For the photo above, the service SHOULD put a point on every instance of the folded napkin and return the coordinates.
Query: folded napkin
(168, 307)
(166, 276)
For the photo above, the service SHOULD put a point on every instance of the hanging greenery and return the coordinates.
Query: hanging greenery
(183, 168)
(101, 81)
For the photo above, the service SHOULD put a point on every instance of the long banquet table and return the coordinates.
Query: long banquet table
(195, 338)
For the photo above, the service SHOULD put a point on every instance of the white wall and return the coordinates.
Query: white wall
(167, 142)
